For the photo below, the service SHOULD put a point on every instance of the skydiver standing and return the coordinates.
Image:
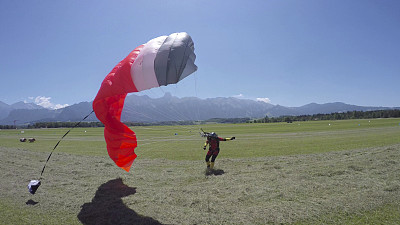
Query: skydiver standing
(213, 150)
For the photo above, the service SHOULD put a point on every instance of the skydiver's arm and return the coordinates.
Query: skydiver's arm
(205, 145)
(227, 139)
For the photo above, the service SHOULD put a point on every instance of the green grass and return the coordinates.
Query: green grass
(387, 214)
(16, 214)
(347, 172)
(260, 140)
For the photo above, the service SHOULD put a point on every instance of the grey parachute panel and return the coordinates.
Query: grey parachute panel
(175, 59)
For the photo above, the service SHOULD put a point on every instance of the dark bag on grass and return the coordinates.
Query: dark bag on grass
(33, 186)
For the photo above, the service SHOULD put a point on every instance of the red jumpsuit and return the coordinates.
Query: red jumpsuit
(213, 149)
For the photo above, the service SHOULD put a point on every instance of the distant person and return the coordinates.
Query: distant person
(213, 150)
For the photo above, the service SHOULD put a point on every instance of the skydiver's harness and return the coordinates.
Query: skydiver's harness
(213, 143)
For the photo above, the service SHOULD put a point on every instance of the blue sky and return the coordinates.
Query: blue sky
(287, 52)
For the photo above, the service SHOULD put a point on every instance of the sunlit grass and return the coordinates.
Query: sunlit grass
(302, 172)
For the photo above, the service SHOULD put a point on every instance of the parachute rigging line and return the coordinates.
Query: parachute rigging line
(48, 158)
(34, 184)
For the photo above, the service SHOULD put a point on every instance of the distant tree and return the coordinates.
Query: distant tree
(334, 116)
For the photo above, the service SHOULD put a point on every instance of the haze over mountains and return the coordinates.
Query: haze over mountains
(169, 108)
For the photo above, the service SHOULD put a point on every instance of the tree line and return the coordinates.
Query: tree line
(395, 113)
(65, 124)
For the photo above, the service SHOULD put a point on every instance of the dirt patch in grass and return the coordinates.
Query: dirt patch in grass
(282, 189)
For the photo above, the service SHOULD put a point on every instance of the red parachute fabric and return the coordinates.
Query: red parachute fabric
(161, 61)
(108, 104)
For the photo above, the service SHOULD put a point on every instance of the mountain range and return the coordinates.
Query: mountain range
(170, 108)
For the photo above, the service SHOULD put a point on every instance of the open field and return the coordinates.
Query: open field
(320, 172)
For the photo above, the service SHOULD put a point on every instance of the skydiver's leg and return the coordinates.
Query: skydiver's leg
(208, 156)
(214, 156)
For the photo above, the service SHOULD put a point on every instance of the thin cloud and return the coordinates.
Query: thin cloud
(45, 103)
(238, 96)
(266, 100)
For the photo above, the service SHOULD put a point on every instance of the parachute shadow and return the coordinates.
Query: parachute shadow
(107, 207)
(215, 172)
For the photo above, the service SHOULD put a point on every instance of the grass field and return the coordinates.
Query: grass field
(320, 172)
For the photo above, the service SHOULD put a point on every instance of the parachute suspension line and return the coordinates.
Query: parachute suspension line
(176, 114)
(195, 116)
(190, 131)
(197, 96)
(198, 114)
(161, 112)
(48, 158)
(157, 111)
(159, 128)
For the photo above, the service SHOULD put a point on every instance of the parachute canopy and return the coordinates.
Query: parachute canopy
(161, 61)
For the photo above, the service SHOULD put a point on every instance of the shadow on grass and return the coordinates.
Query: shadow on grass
(31, 202)
(107, 207)
(215, 172)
